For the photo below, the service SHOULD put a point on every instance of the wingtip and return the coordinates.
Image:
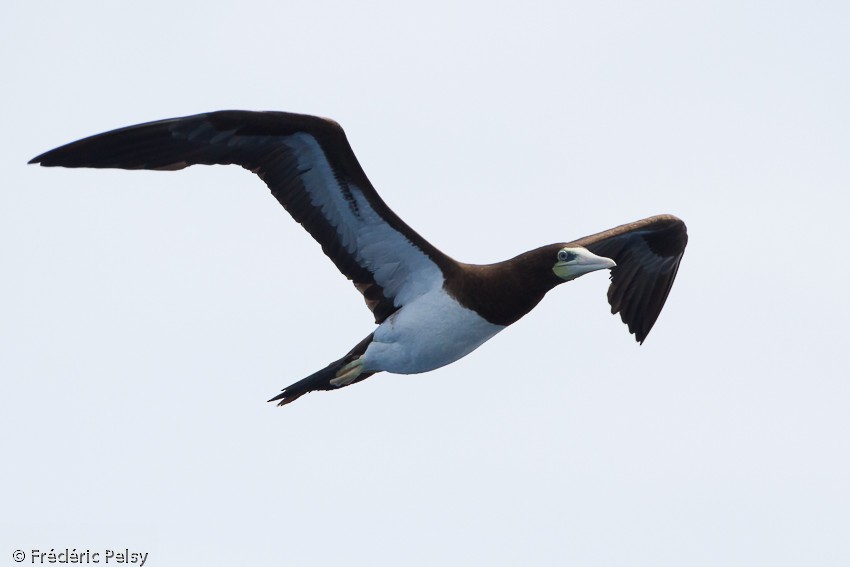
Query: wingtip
(45, 159)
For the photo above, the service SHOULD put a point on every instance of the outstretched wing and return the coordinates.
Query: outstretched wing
(310, 168)
(647, 253)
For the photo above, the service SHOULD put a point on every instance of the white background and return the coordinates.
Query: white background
(145, 317)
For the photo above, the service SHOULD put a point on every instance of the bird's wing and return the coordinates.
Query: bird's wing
(647, 253)
(310, 168)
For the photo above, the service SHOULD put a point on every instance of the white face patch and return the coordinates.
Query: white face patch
(575, 262)
(399, 267)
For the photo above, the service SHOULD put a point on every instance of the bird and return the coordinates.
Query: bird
(430, 310)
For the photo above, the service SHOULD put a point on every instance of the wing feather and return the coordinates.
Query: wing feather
(647, 253)
(310, 168)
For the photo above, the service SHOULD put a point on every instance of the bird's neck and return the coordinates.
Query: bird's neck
(504, 292)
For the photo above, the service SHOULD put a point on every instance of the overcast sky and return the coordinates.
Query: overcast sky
(145, 317)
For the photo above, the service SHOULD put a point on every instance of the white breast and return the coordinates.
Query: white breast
(430, 332)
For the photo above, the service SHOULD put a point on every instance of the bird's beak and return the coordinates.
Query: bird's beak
(600, 263)
(584, 263)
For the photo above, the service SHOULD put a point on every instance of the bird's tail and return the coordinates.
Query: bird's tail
(337, 374)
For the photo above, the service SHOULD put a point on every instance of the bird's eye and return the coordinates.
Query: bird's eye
(566, 256)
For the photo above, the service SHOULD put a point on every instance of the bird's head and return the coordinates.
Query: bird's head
(575, 261)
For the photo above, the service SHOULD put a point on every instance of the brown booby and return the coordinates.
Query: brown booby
(430, 310)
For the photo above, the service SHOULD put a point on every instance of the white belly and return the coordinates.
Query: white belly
(430, 332)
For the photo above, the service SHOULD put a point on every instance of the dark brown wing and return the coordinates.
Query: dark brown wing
(647, 253)
(310, 168)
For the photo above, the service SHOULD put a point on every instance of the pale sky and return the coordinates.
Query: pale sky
(145, 317)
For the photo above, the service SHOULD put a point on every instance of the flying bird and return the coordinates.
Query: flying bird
(430, 310)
